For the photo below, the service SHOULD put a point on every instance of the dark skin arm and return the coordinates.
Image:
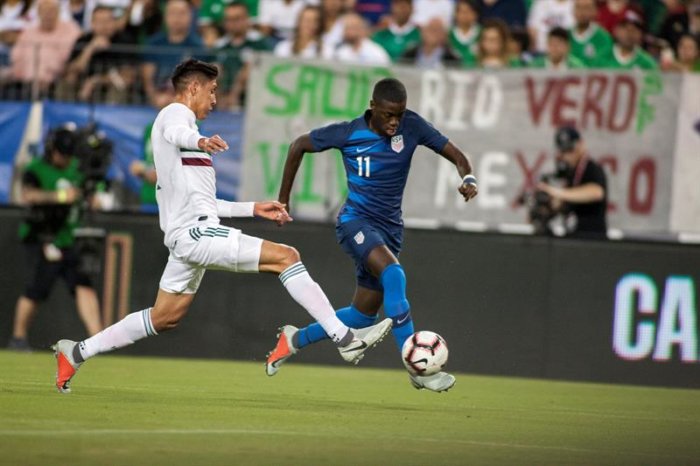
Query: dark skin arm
(464, 167)
(295, 154)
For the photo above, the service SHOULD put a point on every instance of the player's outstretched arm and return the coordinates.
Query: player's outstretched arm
(454, 154)
(295, 154)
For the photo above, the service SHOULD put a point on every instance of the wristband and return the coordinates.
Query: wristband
(62, 196)
(469, 179)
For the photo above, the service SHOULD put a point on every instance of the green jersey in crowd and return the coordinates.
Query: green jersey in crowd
(467, 45)
(590, 46)
(54, 222)
(639, 59)
(396, 40)
(233, 57)
(212, 11)
(571, 63)
(148, 190)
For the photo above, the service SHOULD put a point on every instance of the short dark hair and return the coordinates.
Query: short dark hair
(192, 68)
(470, 3)
(559, 33)
(103, 8)
(390, 90)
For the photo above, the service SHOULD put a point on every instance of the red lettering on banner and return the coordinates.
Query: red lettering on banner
(642, 170)
(529, 174)
(595, 89)
(590, 101)
(563, 102)
(628, 107)
(537, 105)
(609, 164)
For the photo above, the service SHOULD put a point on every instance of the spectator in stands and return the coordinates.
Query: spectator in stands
(166, 49)
(101, 60)
(681, 23)
(145, 170)
(332, 13)
(493, 45)
(688, 55)
(612, 12)
(13, 18)
(41, 51)
(585, 196)
(511, 12)
(211, 17)
(144, 19)
(627, 53)
(425, 10)
(401, 34)
(558, 55)
(589, 41)
(234, 52)
(278, 18)
(373, 11)
(306, 40)
(433, 52)
(545, 15)
(357, 47)
(464, 36)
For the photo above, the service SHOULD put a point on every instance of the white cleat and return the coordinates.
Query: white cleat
(283, 350)
(66, 367)
(365, 338)
(440, 382)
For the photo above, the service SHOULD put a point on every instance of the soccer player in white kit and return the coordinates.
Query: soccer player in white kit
(189, 217)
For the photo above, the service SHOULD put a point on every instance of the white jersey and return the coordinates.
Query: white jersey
(186, 188)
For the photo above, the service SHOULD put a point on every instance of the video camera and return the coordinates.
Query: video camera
(89, 146)
(539, 203)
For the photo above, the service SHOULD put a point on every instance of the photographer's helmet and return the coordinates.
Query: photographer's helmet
(566, 138)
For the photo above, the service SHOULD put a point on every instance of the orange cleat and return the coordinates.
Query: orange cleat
(283, 351)
(66, 366)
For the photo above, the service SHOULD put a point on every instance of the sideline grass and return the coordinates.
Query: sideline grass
(153, 411)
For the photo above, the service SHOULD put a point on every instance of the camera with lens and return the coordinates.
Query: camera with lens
(539, 203)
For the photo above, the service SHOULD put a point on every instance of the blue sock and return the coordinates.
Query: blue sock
(350, 316)
(396, 305)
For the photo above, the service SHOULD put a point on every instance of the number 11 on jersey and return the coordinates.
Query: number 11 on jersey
(360, 171)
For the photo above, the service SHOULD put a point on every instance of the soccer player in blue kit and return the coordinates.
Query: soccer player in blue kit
(377, 149)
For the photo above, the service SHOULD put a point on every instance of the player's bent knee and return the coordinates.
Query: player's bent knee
(290, 257)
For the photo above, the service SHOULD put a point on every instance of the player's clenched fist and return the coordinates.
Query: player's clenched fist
(272, 210)
(212, 145)
(468, 189)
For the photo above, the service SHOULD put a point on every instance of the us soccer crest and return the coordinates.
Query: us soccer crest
(397, 143)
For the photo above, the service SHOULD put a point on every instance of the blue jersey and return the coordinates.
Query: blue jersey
(376, 166)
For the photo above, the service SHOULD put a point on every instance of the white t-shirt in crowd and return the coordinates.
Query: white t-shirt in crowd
(425, 10)
(368, 53)
(547, 14)
(281, 16)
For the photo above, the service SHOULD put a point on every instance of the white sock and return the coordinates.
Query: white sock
(130, 329)
(309, 294)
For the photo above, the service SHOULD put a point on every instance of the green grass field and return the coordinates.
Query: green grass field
(151, 411)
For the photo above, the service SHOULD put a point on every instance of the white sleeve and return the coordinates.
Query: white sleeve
(534, 19)
(228, 209)
(177, 130)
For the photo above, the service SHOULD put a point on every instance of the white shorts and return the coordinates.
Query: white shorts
(208, 246)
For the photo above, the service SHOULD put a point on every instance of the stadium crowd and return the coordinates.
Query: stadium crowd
(113, 50)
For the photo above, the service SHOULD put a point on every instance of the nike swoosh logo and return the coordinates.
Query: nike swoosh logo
(363, 149)
(358, 347)
(399, 322)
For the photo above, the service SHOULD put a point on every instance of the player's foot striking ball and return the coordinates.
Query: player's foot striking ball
(189, 217)
(377, 149)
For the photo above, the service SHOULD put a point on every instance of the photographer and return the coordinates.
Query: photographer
(50, 187)
(585, 192)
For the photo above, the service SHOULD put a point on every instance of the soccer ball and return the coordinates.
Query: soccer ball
(424, 353)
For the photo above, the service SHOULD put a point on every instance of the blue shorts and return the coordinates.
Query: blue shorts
(359, 237)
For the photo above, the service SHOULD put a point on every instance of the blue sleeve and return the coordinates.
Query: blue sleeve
(429, 137)
(331, 136)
